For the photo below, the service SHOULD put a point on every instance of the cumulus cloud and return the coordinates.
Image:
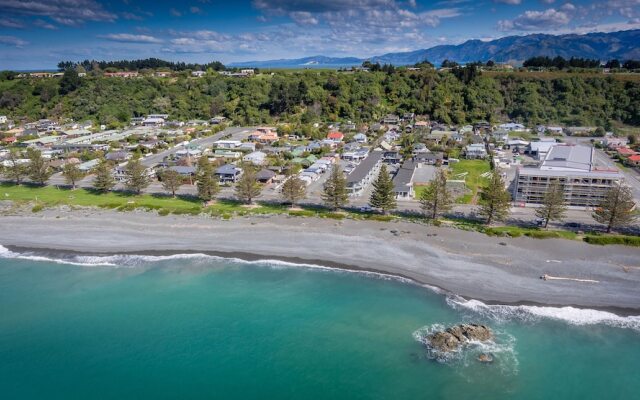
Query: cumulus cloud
(67, 12)
(549, 19)
(12, 41)
(131, 38)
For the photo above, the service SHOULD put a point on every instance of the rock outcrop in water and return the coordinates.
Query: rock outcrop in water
(451, 339)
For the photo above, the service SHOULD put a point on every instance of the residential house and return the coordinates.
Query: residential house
(227, 154)
(475, 151)
(227, 144)
(335, 136)
(228, 173)
(360, 138)
(364, 173)
(402, 181)
(198, 74)
(152, 121)
(118, 156)
(391, 119)
(429, 158)
(256, 158)
(512, 127)
(615, 142)
(625, 152)
(265, 176)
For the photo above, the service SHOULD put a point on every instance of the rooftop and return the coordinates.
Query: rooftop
(362, 170)
(569, 157)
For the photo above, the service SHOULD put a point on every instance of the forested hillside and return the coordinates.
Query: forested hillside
(307, 96)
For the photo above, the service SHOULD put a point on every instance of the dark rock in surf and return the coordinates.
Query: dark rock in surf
(452, 338)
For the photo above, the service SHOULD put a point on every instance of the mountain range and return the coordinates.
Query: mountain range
(622, 45)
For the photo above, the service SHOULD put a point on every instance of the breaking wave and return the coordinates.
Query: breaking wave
(135, 260)
(532, 314)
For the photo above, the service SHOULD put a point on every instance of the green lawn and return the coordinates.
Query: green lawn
(473, 180)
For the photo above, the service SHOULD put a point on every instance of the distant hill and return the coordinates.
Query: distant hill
(622, 45)
(311, 62)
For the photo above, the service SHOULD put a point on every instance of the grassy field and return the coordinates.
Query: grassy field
(473, 180)
(39, 198)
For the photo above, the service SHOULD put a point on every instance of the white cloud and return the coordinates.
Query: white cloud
(11, 23)
(549, 19)
(511, 2)
(131, 38)
(67, 12)
(12, 41)
(40, 23)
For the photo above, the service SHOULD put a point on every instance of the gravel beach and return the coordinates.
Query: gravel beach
(469, 264)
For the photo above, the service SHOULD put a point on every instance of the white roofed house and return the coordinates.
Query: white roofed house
(540, 149)
(256, 158)
(475, 150)
(153, 121)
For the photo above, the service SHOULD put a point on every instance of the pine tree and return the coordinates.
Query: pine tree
(72, 174)
(294, 189)
(136, 176)
(495, 199)
(617, 207)
(206, 182)
(436, 199)
(335, 189)
(248, 187)
(382, 196)
(103, 181)
(553, 207)
(15, 170)
(38, 167)
(171, 181)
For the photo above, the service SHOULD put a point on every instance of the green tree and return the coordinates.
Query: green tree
(136, 176)
(382, 196)
(103, 180)
(293, 190)
(553, 206)
(335, 189)
(247, 187)
(72, 174)
(70, 81)
(38, 167)
(616, 209)
(171, 181)
(206, 182)
(436, 199)
(15, 170)
(495, 199)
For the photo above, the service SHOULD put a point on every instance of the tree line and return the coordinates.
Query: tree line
(136, 65)
(562, 63)
(460, 96)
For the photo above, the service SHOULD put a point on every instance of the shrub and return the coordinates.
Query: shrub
(334, 215)
(613, 239)
(542, 234)
(37, 208)
(163, 212)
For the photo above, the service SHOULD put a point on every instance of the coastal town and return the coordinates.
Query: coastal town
(588, 161)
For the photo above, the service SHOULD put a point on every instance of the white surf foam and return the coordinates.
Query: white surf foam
(568, 314)
(133, 260)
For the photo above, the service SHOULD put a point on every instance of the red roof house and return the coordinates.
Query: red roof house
(335, 136)
(10, 139)
(625, 151)
(635, 159)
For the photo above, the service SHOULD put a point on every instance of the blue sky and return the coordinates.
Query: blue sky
(39, 33)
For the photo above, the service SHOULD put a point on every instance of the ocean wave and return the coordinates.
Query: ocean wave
(135, 260)
(568, 314)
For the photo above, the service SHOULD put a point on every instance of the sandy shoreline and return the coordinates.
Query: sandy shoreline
(470, 264)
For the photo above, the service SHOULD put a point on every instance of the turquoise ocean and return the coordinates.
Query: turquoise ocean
(202, 327)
